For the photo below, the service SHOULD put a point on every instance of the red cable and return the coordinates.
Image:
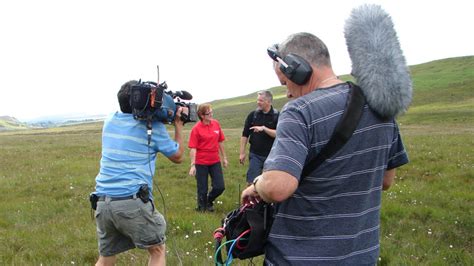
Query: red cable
(240, 236)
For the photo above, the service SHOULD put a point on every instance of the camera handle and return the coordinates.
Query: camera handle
(149, 129)
(184, 117)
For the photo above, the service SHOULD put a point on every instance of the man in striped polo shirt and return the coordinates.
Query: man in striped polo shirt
(125, 214)
(331, 216)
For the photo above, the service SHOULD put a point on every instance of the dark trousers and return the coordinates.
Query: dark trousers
(255, 166)
(217, 183)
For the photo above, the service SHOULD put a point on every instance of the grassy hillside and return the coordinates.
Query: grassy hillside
(443, 92)
(231, 113)
(427, 217)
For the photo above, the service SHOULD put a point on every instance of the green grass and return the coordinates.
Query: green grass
(46, 176)
(45, 217)
(428, 214)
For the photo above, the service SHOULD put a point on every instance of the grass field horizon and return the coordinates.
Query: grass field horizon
(46, 176)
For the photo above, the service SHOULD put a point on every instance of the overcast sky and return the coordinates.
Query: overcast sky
(59, 57)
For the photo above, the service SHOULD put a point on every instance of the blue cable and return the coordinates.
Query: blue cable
(230, 258)
(217, 251)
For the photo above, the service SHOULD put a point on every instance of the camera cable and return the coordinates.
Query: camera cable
(164, 205)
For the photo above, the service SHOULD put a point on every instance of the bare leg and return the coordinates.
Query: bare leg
(106, 261)
(157, 255)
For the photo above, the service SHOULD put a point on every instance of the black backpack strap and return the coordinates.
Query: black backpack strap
(275, 115)
(343, 130)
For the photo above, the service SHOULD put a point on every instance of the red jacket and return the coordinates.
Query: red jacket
(205, 139)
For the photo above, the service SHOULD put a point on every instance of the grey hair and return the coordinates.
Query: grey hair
(308, 46)
(267, 94)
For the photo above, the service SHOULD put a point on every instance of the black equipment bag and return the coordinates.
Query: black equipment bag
(257, 221)
(252, 225)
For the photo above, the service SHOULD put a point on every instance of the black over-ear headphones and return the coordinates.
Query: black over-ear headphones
(293, 66)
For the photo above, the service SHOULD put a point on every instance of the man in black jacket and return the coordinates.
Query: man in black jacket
(260, 131)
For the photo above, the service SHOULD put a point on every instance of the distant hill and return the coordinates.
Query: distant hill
(443, 92)
(65, 119)
(11, 123)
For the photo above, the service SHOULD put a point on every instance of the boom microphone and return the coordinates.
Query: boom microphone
(184, 95)
(378, 64)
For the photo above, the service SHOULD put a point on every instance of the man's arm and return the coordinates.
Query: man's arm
(243, 147)
(388, 178)
(270, 132)
(397, 158)
(245, 137)
(178, 137)
(271, 186)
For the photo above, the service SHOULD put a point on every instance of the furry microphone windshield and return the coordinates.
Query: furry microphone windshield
(378, 63)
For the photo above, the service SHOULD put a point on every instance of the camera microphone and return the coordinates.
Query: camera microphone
(184, 95)
(378, 63)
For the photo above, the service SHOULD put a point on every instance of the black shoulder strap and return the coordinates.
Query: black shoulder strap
(254, 116)
(275, 115)
(343, 130)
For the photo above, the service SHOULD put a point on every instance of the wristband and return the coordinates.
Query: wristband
(254, 183)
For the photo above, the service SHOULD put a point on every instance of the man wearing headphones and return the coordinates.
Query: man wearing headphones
(260, 128)
(332, 215)
(125, 215)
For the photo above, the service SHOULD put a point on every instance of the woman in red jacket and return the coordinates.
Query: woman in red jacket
(206, 143)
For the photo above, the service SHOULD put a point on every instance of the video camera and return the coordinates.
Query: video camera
(151, 101)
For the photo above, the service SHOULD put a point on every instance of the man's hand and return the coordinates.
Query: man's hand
(250, 196)
(257, 128)
(226, 163)
(242, 158)
(243, 143)
(179, 111)
(178, 137)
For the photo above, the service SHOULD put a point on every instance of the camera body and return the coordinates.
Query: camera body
(153, 102)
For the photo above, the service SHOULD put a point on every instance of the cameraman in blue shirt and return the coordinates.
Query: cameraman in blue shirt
(125, 215)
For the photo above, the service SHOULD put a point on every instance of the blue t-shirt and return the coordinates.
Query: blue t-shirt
(127, 159)
(334, 215)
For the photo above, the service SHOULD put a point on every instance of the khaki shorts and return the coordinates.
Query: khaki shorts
(126, 224)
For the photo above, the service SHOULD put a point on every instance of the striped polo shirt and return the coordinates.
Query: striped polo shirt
(334, 215)
(127, 159)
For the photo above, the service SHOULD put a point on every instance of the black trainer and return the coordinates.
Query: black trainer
(200, 209)
(210, 207)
